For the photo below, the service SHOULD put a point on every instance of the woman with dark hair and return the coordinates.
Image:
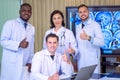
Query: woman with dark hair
(67, 42)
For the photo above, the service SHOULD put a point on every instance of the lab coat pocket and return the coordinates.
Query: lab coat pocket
(12, 57)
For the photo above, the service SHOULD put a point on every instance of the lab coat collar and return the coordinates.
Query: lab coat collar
(22, 22)
(48, 53)
(60, 31)
(89, 21)
(86, 22)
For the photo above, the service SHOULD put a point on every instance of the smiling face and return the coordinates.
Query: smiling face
(57, 20)
(25, 12)
(83, 13)
(52, 44)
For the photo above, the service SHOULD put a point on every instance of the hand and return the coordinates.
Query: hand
(54, 77)
(65, 57)
(24, 43)
(29, 67)
(70, 49)
(84, 36)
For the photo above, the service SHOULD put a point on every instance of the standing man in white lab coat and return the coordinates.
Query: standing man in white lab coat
(47, 64)
(90, 38)
(17, 41)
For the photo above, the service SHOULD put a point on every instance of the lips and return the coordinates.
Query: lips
(26, 16)
(83, 16)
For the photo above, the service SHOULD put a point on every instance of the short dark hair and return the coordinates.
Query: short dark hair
(82, 5)
(51, 16)
(25, 4)
(52, 35)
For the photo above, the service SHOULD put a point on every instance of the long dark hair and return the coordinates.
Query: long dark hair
(51, 16)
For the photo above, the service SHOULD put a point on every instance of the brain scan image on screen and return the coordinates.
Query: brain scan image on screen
(104, 19)
(91, 15)
(107, 37)
(116, 40)
(114, 27)
(117, 17)
(77, 19)
(116, 22)
(115, 43)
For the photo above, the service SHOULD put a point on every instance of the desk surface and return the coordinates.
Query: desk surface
(110, 55)
(106, 76)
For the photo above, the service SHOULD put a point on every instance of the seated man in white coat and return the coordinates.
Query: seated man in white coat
(48, 64)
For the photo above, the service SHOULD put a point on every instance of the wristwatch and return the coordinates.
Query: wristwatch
(89, 38)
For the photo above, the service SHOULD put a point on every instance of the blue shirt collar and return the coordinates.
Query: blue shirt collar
(22, 21)
(85, 22)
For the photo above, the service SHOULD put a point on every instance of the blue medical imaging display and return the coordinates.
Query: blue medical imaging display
(109, 19)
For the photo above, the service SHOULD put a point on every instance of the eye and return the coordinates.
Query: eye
(55, 42)
(54, 18)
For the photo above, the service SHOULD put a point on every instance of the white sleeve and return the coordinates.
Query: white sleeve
(36, 68)
(6, 41)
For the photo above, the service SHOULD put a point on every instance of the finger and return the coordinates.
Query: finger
(24, 39)
(56, 72)
(27, 43)
(69, 45)
(83, 31)
(64, 53)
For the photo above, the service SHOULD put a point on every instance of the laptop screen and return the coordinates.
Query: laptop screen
(85, 73)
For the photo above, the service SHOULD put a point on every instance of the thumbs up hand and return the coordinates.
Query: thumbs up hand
(54, 77)
(70, 49)
(65, 57)
(24, 43)
(84, 36)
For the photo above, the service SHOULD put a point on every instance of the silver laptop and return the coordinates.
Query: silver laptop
(85, 73)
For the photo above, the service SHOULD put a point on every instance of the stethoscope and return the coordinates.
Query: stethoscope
(62, 39)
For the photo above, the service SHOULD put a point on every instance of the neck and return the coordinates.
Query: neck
(57, 28)
(24, 19)
(52, 53)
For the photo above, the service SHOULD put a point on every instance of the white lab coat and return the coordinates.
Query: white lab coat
(13, 57)
(89, 51)
(43, 66)
(66, 38)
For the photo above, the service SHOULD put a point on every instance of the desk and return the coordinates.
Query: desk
(103, 59)
(106, 76)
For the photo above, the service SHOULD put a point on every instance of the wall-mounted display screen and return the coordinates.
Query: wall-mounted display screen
(109, 19)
